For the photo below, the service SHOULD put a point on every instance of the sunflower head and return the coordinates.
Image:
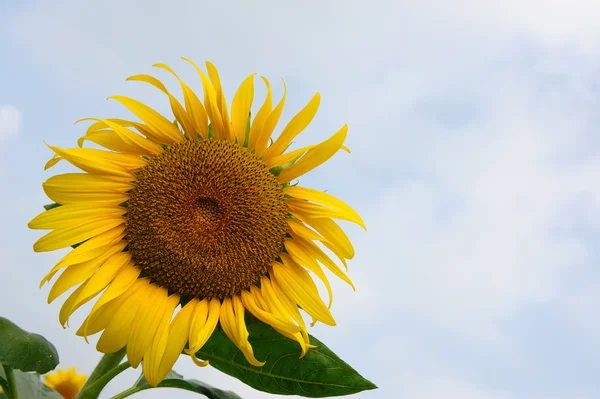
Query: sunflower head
(183, 227)
(66, 382)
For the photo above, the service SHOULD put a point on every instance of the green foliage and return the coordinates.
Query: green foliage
(21, 350)
(321, 373)
(176, 380)
(29, 386)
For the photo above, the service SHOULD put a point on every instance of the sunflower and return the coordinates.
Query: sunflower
(187, 225)
(67, 382)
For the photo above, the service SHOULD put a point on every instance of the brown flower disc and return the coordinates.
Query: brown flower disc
(205, 219)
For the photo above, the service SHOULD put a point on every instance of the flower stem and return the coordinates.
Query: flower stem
(130, 391)
(105, 379)
(107, 369)
(12, 384)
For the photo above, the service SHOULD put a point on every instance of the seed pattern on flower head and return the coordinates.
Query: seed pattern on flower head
(184, 227)
(206, 219)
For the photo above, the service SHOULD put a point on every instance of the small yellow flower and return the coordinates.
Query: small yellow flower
(204, 223)
(66, 382)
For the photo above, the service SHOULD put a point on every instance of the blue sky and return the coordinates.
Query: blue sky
(475, 163)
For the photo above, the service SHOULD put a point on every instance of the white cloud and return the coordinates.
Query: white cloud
(10, 121)
(445, 388)
(470, 219)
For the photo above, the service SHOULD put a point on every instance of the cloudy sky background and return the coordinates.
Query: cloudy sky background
(475, 164)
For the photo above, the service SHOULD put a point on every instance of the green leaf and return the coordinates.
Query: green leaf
(29, 386)
(321, 373)
(175, 380)
(21, 350)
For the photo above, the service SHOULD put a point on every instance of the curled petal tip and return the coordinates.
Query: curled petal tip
(198, 362)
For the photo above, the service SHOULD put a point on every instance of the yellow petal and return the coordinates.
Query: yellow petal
(53, 161)
(292, 307)
(140, 127)
(110, 140)
(335, 240)
(166, 348)
(273, 302)
(101, 162)
(193, 106)
(274, 295)
(300, 229)
(153, 312)
(120, 139)
(273, 319)
(261, 117)
(180, 114)
(296, 283)
(161, 127)
(304, 345)
(70, 236)
(232, 321)
(314, 252)
(155, 353)
(125, 281)
(96, 283)
(258, 297)
(308, 210)
(90, 249)
(143, 326)
(315, 156)
(267, 130)
(70, 305)
(71, 188)
(116, 334)
(84, 183)
(99, 125)
(204, 320)
(299, 255)
(288, 157)
(211, 104)
(298, 123)
(213, 74)
(75, 274)
(240, 108)
(134, 143)
(74, 215)
(334, 234)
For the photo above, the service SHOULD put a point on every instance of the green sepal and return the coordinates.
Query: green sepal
(321, 373)
(51, 206)
(247, 134)
(176, 380)
(25, 351)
